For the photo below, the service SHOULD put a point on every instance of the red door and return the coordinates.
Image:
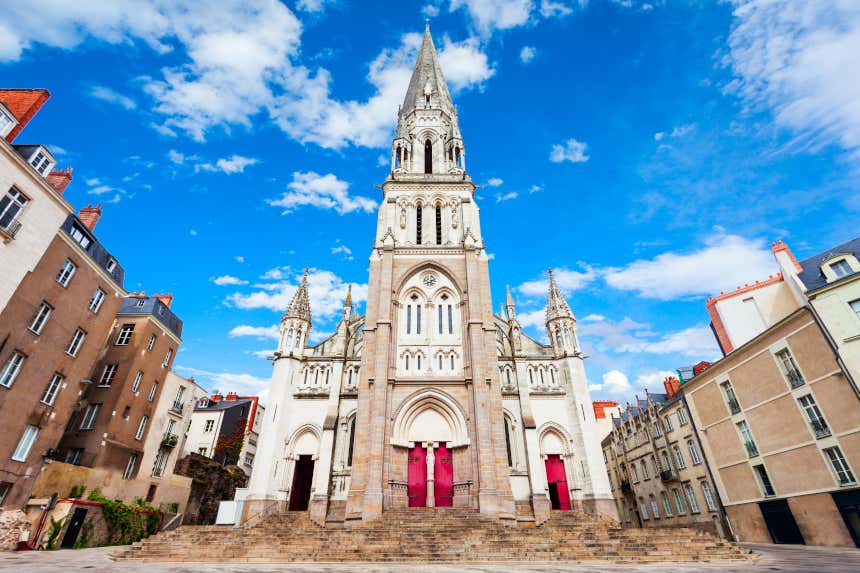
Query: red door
(417, 477)
(557, 481)
(443, 476)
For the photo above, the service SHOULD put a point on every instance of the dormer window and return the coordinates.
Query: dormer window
(7, 121)
(111, 265)
(42, 161)
(841, 268)
(80, 237)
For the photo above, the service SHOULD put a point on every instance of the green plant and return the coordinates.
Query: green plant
(126, 522)
(173, 507)
(95, 494)
(53, 533)
(77, 491)
(84, 537)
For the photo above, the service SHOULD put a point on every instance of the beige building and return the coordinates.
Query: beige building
(658, 473)
(220, 417)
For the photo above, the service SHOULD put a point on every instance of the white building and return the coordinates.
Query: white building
(224, 417)
(429, 399)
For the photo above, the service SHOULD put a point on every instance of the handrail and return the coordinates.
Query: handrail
(260, 515)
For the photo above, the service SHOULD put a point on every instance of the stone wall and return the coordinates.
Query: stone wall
(211, 483)
(12, 524)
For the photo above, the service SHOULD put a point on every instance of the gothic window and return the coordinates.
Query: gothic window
(305, 383)
(457, 156)
(450, 320)
(418, 362)
(508, 444)
(289, 338)
(408, 319)
(558, 339)
(452, 362)
(531, 378)
(298, 337)
(508, 375)
(316, 377)
(440, 319)
(418, 215)
(440, 362)
(541, 376)
(428, 157)
(552, 376)
(438, 225)
(566, 337)
(406, 360)
(327, 372)
(349, 378)
(417, 319)
(351, 443)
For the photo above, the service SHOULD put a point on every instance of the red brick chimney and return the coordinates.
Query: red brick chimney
(167, 299)
(90, 215)
(59, 180)
(231, 397)
(600, 407)
(672, 386)
(216, 397)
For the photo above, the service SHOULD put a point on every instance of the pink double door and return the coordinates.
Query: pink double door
(559, 495)
(443, 477)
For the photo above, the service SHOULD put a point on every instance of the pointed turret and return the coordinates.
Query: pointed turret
(347, 304)
(296, 322)
(560, 322)
(300, 306)
(427, 88)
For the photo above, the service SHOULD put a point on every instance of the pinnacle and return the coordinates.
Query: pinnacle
(556, 305)
(300, 306)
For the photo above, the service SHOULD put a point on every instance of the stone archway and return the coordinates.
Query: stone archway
(302, 455)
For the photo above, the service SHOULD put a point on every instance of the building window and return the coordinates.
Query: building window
(814, 416)
(855, 306)
(209, 426)
(682, 417)
(177, 400)
(201, 451)
(679, 501)
(160, 462)
(111, 265)
(11, 369)
(668, 421)
(438, 225)
(90, 416)
(679, 457)
(351, 443)
(406, 362)
(658, 431)
(643, 508)
(694, 453)
(53, 388)
(452, 365)
(644, 470)
(141, 427)
(152, 391)
(635, 472)
(80, 237)
(709, 496)
(731, 399)
(151, 344)
(409, 319)
(41, 318)
(129, 467)
(73, 456)
(140, 303)
(428, 152)
(124, 336)
(841, 268)
(691, 498)
(840, 467)
(41, 162)
(135, 385)
(764, 481)
(667, 505)
(747, 438)
(249, 460)
(66, 272)
(97, 299)
(655, 509)
(76, 342)
(108, 375)
(419, 210)
(126, 412)
(167, 358)
(440, 321)
(25, 444)
(10, 205)
(789, 368)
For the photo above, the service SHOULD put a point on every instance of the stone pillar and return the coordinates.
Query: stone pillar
(431, 477)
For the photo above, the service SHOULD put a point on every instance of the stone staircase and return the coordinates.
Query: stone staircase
(422, 535)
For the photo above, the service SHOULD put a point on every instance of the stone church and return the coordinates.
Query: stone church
(429, 399)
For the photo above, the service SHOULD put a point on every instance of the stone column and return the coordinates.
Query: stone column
(431, 477)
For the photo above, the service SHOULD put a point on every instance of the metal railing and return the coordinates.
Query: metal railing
(169, 441)
(668, 475)
(11, 228)
(820, 428)
(795, 378)
(176, 407)
(752, 450)
(734, 406)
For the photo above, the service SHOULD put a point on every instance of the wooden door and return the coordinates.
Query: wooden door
(303, 477)
(555, 474)
(417, 477)
(443, 476)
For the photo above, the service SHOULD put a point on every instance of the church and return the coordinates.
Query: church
(429, 399)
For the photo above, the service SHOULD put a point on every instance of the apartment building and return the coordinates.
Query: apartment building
(225, 418)
(656, 467)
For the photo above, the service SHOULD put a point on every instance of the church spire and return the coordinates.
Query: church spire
(556, 306)
(300, 306)
(510, 305)
(427, 88)
(560, 322)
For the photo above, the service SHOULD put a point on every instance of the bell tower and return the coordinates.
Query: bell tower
(429, 395)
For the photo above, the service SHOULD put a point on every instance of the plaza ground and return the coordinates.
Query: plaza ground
(785, 558)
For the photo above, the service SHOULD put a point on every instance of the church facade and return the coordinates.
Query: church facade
(429, 399)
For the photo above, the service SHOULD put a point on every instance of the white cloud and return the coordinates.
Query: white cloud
(430, 11)
(798, 60)
(527, 54)
(228, 280)
(615, 383)
(231, 165)
(571, 150)
(494, 182)
(260, 332)
(382, 160)
(490, 15)
(678, 131)
(566, 279)
(192, 232)
(550, 9)
(278, 273)
(653, 380)
(342, 250)
(535, 188)
(241, 383)
(176, 157)
(312, 5)
(696, 342)
(532, 318)
(240, 259)
(725, 262)
(326, 290)
(93, 181)
(110, 96)
(464, 63)
(593, 318)
(323, 192)
(506, 196)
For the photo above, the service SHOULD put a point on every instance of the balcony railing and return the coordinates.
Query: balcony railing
(734, 406)
(752, 450)
(794, 378)
(668, 475)
(11, 228)
(820, 428)
(176, 407)
(169, 441)
(625, 486)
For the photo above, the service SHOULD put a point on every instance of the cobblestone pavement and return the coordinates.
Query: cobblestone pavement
(787, 559)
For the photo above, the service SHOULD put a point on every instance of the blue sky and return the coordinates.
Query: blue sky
(649, 151)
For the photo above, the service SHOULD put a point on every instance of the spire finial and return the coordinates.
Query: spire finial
(426, 24)
(348, 301)
(300, 306)
(556, 305)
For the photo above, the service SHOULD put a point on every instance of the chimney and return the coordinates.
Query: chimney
(231, 397)
(600, 407)
(216, 397)
(672, 386)
(90, 215)
(167, 299)
(59, 180)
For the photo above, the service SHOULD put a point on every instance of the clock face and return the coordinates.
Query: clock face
(429, 280)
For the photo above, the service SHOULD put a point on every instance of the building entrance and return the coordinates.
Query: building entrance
(443, 477)
(556, 479)
(303, 477)
(417, 477)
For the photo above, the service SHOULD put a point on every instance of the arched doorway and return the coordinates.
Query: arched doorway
(554, 451)
(304, 449)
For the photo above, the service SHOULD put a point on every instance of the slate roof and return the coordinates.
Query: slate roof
(222, 405)
(154, 307)
(811, 275)
(95, 250)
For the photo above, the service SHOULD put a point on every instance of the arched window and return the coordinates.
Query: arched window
(440, 362)
(552, 376)
(349, 378)
(351, 443)
(508, 444)
(531, 378)
(508, 375)
(558, 339)
(450, 320)
(305, 383)
(541, 376)
(566, 337)
(417, 319)
(409, 319)
(419, 210)
(428, 157)
(418, 362)
(289, 338)
(457, 155)
(316, 377)
(440, 318)
(438, 225)
(327, 372)
(406, 359)
(452, 362)
(298, 337)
